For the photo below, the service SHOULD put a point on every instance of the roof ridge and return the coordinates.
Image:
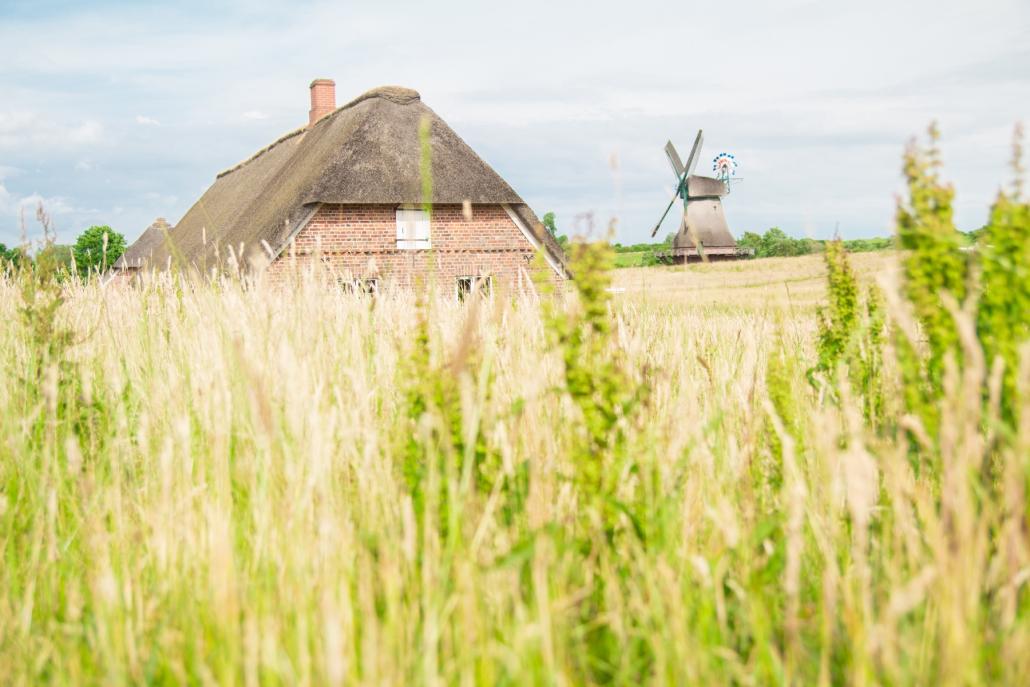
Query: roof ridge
(395, 94)
(261, 152)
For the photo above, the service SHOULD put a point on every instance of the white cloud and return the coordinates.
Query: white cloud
(30, 130)
(147, 121)
(14, 206)
(254, 115)
(87, 132)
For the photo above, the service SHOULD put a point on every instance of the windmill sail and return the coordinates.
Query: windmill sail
(674, 159)
(664, 214)
(695, 153)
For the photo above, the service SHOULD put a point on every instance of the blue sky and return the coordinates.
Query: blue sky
(120, 112)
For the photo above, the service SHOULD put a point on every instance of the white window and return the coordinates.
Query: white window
(412, 228)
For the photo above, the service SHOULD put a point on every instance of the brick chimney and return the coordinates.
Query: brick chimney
(323, 99)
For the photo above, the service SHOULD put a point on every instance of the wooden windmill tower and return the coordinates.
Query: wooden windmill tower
(703, 233)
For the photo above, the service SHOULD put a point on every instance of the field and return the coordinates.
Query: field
(797, 284)
(221, 485)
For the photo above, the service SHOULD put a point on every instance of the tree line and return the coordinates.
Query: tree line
(94, 251)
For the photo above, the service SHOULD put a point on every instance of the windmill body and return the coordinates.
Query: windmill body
(703, 232)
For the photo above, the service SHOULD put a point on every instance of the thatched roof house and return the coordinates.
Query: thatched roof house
(349, 184)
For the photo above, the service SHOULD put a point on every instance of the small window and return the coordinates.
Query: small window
(469, 285)
(412, 229)
(366, 286)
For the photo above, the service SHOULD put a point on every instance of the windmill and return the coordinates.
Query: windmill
(703, 233)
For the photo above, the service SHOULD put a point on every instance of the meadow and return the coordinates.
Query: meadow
(779, 471)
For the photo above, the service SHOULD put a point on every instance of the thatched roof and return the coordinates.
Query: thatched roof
(367, 151)
(142, 251)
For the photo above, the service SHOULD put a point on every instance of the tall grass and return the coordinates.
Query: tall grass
(227, 483)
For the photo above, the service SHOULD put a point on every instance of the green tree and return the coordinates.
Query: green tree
(97, 248)
(10, 257)
(776, 243)
(552, 228)
(867, 245)
(751, 240)
(549, 224)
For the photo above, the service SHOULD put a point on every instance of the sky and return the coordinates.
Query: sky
(115, 112)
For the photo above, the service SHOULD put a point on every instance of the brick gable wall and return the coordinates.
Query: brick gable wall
(360, 241)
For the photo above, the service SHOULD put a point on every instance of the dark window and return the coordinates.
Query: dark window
(482, 285)
(367, 286)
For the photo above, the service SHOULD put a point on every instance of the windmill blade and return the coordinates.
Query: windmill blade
(695, 153)
(682, 173)
(664, 214)
(674, 159)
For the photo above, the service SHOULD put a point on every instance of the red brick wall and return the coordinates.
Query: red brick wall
(360, 241)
